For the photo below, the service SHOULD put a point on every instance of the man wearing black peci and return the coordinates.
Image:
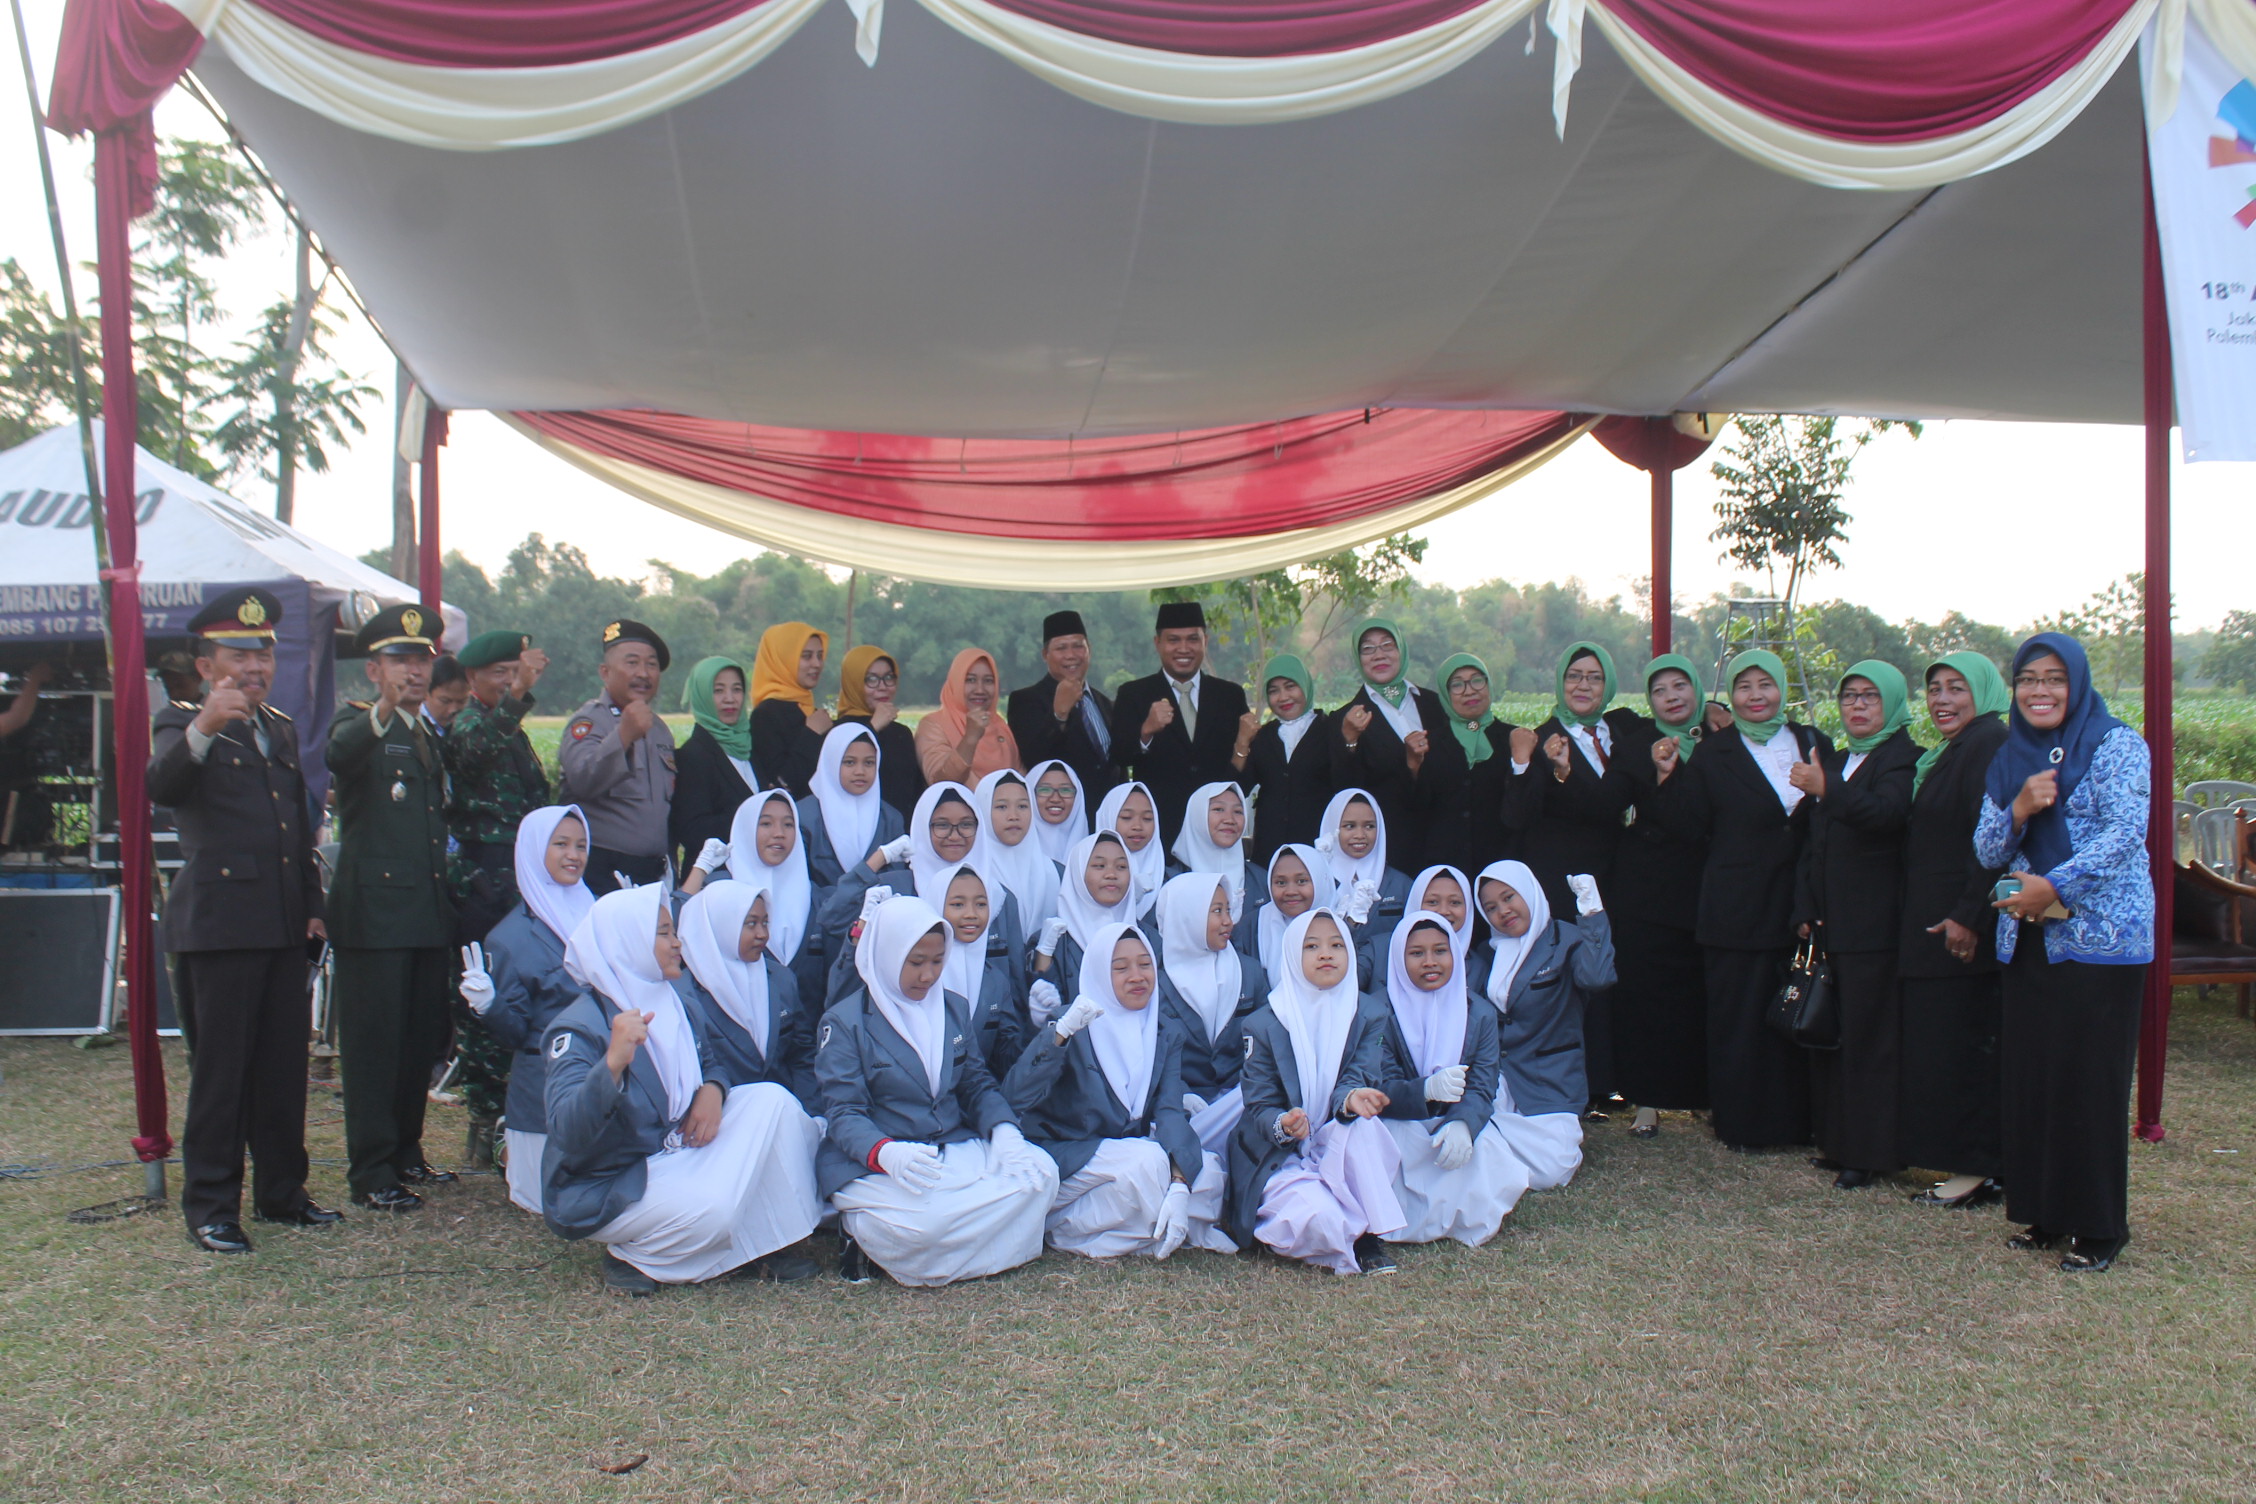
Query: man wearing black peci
(1061, 715)
(239, 917)
(1179, 727)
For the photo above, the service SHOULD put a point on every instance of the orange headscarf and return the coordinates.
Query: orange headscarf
(853, 700)
(943, 730)
(775, 668)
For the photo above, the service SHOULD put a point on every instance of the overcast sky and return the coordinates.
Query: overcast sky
(2004, 521)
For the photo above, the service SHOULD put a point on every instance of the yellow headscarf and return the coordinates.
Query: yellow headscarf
(853, 700)
(775, 668)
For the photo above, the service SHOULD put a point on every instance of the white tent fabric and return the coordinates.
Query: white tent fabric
(945, 244)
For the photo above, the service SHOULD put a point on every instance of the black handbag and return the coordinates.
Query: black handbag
(1807, 1010)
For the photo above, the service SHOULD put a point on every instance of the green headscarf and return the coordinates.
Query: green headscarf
(1769, 663)
(1991, 697)
(1895, 697)
(1566, 714)
(1287, 666)
(1395, 688)
(1688, 733)
(697, 699)
(1471, 735)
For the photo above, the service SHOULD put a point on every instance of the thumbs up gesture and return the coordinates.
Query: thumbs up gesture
(1809, 777)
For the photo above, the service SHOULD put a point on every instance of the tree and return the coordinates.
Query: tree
(2112, 627)
(1958, 632)
(1853, 633)
(206, 204)
(35, 367)
(2231, 658)
(1783, 479)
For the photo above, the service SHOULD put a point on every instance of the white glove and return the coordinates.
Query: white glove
(1359, 900)
(477, 988)
(916, 1166)
(1446, 1084)
(1042, 1002)
(896, 851)
(1078, 1017)
(1053, 930)
(1174, 1223)
(714, 855)
(626, 883)
(1009, 1155)
(1585, 889)
(872, 899)
(1193, 1103)
(1453, 1146)
(1327, 845)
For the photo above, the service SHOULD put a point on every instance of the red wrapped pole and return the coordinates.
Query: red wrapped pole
(114, 166)
(1664, 525)
(429, 570)
(2161, 740)
(1659, 448)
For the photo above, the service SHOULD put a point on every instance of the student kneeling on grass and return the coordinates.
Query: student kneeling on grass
(649, 1153)
(1311, 1169)
(923, 1159)
(1101, 1089)
(1540, 970)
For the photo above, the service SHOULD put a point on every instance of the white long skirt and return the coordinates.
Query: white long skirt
(742, 1196)
(970, 1225)
(1215, 1121)
(1549, 1144)
(1468, 1203)
(1341, 1187)
(1109, 1207)
(522, 1152)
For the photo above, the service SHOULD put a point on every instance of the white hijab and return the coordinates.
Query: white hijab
(850, 820)
(712, 923)
(790, 890)
(1195, 848)
(560, 906)
(1315, 1018)
(1433, 1023)
(1059, 838)
(1271, 924)
(1463, 938)
(1126, 1039)
(611, 952)
(1024, 870)
(926, 864)
(1147, 869)
(1207, 979)
(887, 938)
(1512, 954)
(966, 970)
(1371, 866)
(1082, 914)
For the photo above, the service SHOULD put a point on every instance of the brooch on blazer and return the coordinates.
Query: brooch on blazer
(557, 1050)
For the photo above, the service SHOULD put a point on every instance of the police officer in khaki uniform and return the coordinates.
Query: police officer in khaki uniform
(389, 914)
(616, 760)
(238, 919)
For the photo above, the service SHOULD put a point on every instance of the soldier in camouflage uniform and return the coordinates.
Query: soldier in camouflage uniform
(497, 780)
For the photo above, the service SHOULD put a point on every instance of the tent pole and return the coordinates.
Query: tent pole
(1664, 599)
(429, 574)
(129, 675)
(2161, 820)
(853, 578)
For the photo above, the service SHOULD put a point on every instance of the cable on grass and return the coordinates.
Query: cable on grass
(50, 1171)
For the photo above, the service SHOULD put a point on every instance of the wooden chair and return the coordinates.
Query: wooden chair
(2216, 916)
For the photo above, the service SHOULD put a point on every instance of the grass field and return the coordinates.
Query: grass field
(1680, 1324)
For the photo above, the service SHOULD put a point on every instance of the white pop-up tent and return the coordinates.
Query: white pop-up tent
(196, 542)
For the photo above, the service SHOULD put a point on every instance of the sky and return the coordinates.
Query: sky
(2006, 522)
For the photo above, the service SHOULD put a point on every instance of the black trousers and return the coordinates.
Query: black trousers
(603, 861)
(1758, 1080)
(1949, 1112)
(246, 1082)
(1854, 1090)
(1660, 1016)
(392, 1025)
(2068, 1048)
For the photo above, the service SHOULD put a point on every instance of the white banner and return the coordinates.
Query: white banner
(2204, 161)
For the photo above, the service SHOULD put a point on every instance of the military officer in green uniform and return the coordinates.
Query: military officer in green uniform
(496, 779)
(238, 919)
(616, 760)
(390, 918)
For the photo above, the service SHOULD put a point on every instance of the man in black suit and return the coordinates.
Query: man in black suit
(1178, 728)
(240, 915)
(1061, 715)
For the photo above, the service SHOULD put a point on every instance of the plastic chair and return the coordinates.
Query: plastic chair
(2215, 793)
(2184, 811)
(2217, 841)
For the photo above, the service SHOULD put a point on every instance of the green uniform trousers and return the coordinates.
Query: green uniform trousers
(392, 1027)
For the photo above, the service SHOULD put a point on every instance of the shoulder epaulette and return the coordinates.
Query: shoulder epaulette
(360, 704)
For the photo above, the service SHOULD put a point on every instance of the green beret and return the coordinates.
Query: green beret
(489, 648)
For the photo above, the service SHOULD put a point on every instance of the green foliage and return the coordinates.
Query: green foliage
(1782, 480)
(1302, 608)
(1957, 632)
(2112, 627)
(35, 372)
(2231, 658)
(290, 400)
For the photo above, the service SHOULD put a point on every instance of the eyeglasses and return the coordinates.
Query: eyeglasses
(1587, 680)
(954, 827)
(2040, 681)
(1375, 649)
(1053, 790)
(1860, 697)
(876, 680)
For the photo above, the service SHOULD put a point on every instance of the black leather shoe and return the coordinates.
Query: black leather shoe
(1372, 1255)
(2033, 1240)
(623, 1278)
(781, 1268)
(1988, 1193)
(853, 1264)
(422, 1172)
(1853, 1180)
(2090, 1258)
(391, 1198)
(220, 1237)
(307, 1215)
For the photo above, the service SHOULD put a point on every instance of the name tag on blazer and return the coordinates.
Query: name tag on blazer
(394, 749)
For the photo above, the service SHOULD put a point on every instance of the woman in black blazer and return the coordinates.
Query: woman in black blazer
(713, 766)
(1737, 797)
(1285, 768)
(1947, 964)
(1381, 740)
(1851, 902)
(1461, 798)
